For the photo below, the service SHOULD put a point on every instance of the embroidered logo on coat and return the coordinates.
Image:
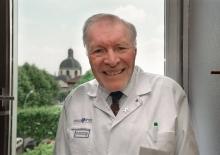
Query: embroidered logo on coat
(83, 120)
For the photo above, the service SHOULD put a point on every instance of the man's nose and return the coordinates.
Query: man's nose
(112, 58)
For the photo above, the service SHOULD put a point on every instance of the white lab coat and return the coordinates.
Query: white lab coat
(87, 125)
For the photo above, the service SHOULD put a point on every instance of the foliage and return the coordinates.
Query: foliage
(62, 95)
(38, 122)
(36, 87)
(41, 149)
(86, 77)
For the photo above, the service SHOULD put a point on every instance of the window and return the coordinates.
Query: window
(173, 10)
(7, 79)
(76, 73)
(58, 27)
(176, 41)
(67, 72)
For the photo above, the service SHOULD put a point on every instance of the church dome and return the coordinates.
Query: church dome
(70, 62)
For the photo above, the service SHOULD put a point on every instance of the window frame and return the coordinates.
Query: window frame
(176, 49)
(9, 71)
(176, 41)
(14, 18)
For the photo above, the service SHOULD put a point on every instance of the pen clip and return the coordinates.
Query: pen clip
(155, 131)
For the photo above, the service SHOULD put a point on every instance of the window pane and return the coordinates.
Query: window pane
(47, 28)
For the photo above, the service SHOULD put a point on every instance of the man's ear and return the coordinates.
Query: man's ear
(135, 50)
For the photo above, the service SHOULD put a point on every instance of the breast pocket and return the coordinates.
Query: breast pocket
(167, 142)
(162, 141)
(149, 151)
(80, 139)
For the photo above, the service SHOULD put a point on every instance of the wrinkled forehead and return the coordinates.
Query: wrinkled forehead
(106, 23)
(108, 33)
(94, 27)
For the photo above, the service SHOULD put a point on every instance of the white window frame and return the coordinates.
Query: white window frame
(176, 41)
(14, 48)
(176, 49)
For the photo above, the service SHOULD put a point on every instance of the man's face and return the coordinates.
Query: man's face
(111, 54)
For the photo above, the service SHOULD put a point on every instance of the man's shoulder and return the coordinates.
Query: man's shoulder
(156, 80)
(160, 85)
(92, 84)
(88, 87)
(143, 76)
(82, 91)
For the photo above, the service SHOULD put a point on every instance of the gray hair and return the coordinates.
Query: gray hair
(102, 16)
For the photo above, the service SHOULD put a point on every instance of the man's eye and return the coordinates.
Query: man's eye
(98, 52)
(121, 49)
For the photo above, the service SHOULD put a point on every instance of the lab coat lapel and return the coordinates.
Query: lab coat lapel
(99, 99)
(141, 87)
(134, 101)
(102, 105)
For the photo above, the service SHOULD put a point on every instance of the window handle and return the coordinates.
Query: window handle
(215, 72)
(2, 98)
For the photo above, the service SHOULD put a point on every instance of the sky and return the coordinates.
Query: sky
(48, 28)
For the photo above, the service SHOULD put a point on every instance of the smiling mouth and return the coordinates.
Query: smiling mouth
(113, 72)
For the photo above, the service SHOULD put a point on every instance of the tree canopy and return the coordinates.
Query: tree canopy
(86, 77)
(36, 87)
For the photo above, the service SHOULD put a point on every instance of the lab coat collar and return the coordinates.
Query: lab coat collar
(143, 85)
(138, 84)
(93, 87)
(99, 94)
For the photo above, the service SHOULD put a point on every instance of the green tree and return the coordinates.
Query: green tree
(41, 149)
(36, 87)
(86, 77)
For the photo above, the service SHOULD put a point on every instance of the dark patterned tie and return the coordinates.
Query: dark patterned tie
(115, 101)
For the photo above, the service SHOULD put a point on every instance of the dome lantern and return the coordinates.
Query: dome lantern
(70, 67)
(70, 53)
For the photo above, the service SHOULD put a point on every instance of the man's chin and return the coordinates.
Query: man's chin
(113, 88)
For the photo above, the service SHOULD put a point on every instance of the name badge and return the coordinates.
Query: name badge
(81, 133)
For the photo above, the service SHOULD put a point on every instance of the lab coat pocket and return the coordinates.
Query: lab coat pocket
(80, 139)
(167, 142)
(164, 141)
(149, 151)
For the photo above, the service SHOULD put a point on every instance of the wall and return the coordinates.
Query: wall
(204, 88)
(71, 72)
(5, 116)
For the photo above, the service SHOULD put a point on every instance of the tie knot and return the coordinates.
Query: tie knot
(116, 96)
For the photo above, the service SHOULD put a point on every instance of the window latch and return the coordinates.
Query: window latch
(215, 72)
(3, 98)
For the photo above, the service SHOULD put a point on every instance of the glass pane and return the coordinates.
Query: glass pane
(50, 31)
(47, 28)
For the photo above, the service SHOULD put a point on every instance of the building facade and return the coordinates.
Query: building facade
(70, 71)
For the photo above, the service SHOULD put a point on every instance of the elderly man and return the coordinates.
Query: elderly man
(124, 111)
